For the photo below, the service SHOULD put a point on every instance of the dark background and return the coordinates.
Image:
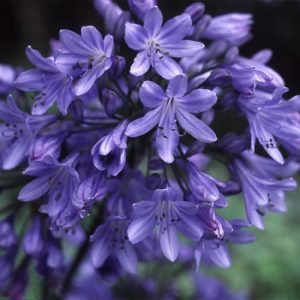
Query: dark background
(268, 269)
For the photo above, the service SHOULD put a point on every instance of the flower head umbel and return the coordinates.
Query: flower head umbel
(157, 43)
(126, 169)
(169, 107)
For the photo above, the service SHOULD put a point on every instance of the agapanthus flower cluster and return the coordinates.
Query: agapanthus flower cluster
(107, 148)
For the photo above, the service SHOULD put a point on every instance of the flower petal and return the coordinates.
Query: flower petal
(74, 43)
(12, 156)
(151, 94)
(166, 143)
(197, 101)
(135, 36)
(140, 65)
(177, 87)
(92, 37)
(169, 244)
(100, 251)
(34, 189)
(143, 125)
(195, 127)
(127, 258)
(167, 67)
(141, 227)
(39, 61)
(30, 81)
(183, 48)
(85, 83)
(153, 21)
(175, 29)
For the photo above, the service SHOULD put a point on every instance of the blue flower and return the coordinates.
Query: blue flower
(58, 181)
(17, 133)
(54, 84)
(169, 213)
(111, 238)
(88, 56)
(262, 190)
(168, 108)
(157, 44)
(269, 118)
(110, 152)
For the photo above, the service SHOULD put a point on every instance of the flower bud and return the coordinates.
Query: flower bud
(33, 240)
(140, 7)
(111, 102)
(118, 65)
(196, 11)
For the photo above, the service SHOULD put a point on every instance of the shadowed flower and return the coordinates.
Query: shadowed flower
(262, 190)
(57, 181)
(17, 133)
(110, 152)
(171, 106)
(168, 213)
(157, 43)
(111, 238)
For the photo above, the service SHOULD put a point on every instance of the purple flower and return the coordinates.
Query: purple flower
(44, 145)
(168, 213)
(17, 133)
(204, 187)
(157, 44)
(110, 152)
(214, 251)
(111, 238)
(233, 28)
(242, 77)
(90, 190)
(261, 189)
(50, 80)
(262, 110)
(57, 181)
(168, 108)
(89, 55)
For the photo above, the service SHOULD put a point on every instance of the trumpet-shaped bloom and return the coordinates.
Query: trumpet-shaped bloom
(269, 117)
(157, 43)
(171, 106)
(111, 238)
(88, 56)
(17, 133)
(168, 213)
